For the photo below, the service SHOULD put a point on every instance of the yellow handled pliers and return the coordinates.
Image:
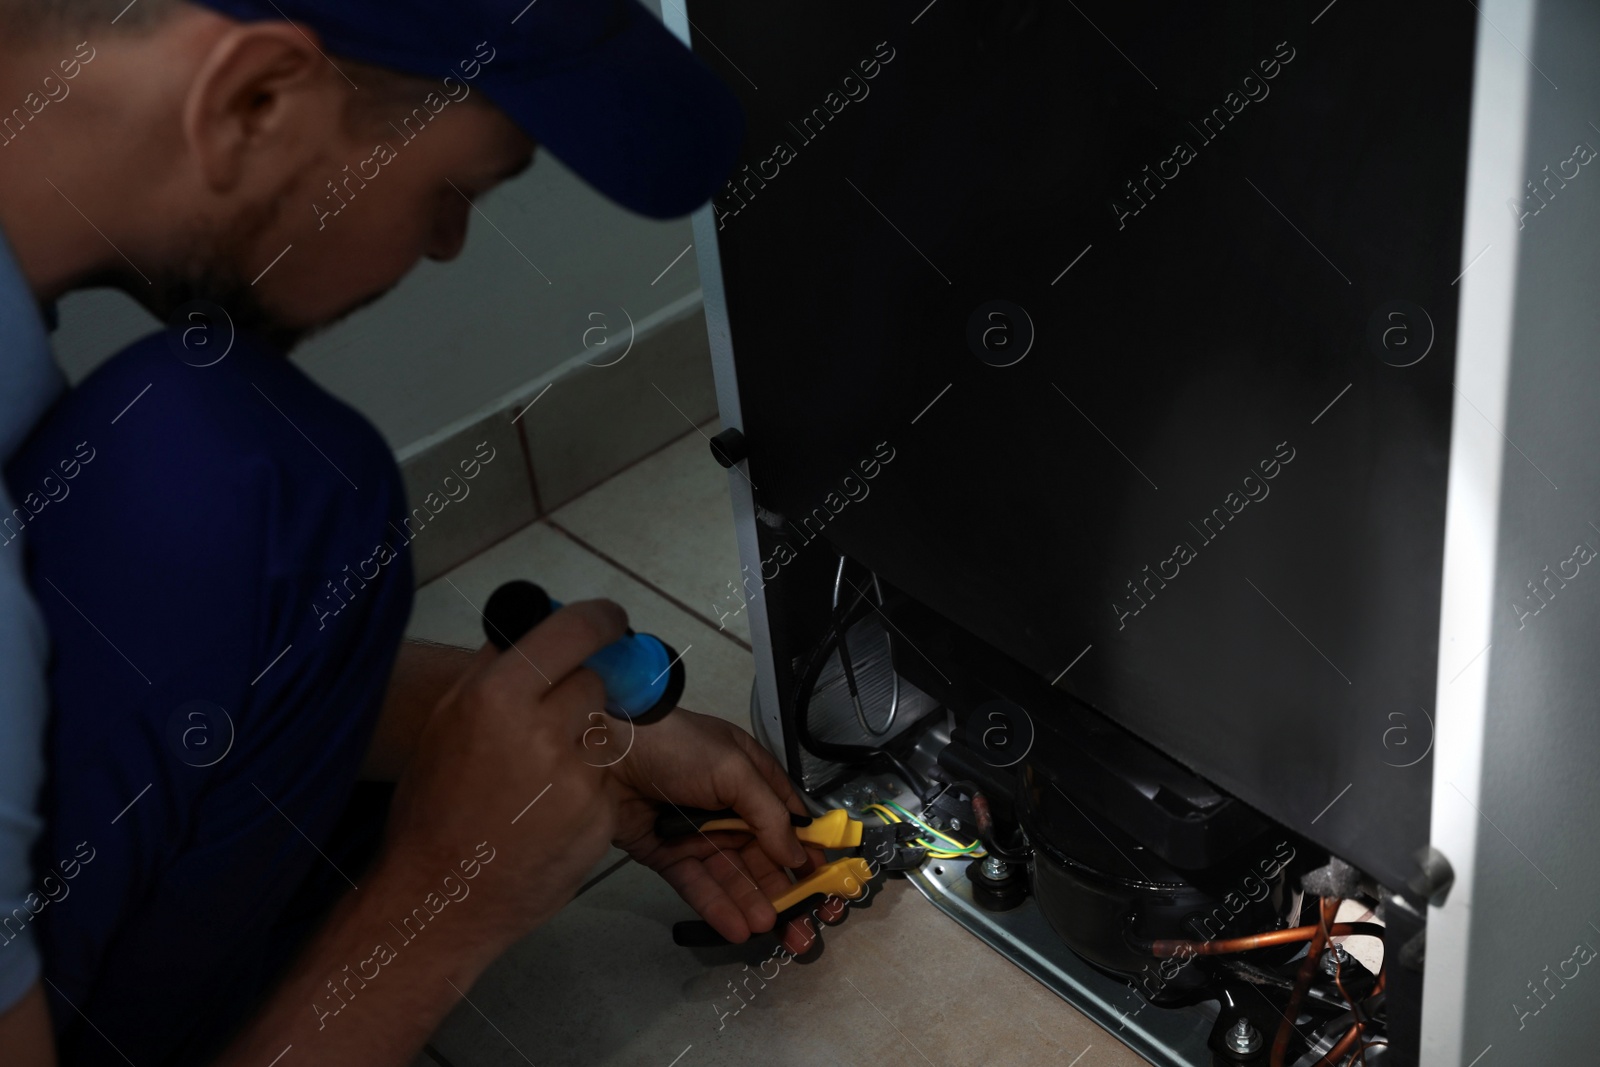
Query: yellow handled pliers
(835, 831)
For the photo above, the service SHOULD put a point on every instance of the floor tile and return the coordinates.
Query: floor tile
(447, 610)
(669, 519)
(898, 982)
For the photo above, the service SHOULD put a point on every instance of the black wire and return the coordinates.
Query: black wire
(919, 785)
(849, 667)
(833, 638)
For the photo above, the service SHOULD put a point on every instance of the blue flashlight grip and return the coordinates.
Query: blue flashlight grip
(643, 678)
(641, 675)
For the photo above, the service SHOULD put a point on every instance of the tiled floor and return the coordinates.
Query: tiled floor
(602, 983)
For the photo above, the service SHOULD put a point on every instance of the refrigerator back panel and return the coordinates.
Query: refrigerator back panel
(1122, 336)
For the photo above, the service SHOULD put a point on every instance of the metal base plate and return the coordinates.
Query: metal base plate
(1170, 1037)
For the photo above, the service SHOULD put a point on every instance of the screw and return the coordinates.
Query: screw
(955, 824)
(1333, 959)
(995, 868)
(890, 788)
(1242, 1038)
(850, 798)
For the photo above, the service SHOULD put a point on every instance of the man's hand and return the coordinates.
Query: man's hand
(691, 760)
(424, 673)
(500, 762)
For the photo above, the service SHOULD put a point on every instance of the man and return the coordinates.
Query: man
(177, 151)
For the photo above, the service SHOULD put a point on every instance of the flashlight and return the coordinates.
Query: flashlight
(643, 677)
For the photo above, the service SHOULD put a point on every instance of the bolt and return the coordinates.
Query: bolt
(955, 824)
(995, 868)
(1333, 959)
(1242, 1038)
(890, 788)
(850, 798)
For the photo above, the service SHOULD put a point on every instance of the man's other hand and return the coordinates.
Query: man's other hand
(729, 878)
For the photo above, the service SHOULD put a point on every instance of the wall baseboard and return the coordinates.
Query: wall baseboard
(570, 435)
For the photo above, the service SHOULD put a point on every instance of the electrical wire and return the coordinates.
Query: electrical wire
(935, 851)
(956, 847)
(932, 849)
(832, 750)
(849, 667)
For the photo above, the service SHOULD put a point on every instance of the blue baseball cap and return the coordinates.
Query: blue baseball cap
(601, 84)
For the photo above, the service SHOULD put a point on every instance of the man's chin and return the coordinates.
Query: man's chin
(208, 274)
(287, 336)
(245, 310)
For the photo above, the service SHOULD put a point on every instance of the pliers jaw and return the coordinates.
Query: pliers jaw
(890, 847)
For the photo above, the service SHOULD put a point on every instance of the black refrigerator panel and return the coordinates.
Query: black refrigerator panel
(1121, 335)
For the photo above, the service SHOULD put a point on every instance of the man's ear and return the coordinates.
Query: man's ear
(264, 92)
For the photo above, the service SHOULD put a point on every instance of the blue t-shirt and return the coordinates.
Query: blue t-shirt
(223, 568)
(30, 382)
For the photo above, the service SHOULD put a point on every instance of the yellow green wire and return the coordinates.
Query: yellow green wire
(956, 845)
(934, 850)
(887, 815)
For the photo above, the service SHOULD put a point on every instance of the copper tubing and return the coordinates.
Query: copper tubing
(1167, 949)
(1351, 1036)
(1343, 1048)
(1340, 1050)
(1308, 970)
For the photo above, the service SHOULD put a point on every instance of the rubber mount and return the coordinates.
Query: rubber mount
(998, 894)
(677, 678)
